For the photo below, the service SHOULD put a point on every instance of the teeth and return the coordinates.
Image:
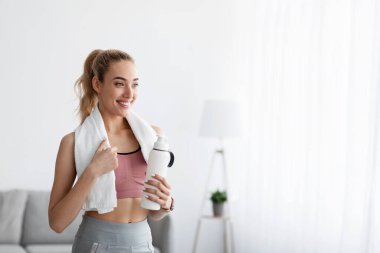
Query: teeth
(124, 103)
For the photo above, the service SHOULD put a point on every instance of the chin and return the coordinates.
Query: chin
(124, 112)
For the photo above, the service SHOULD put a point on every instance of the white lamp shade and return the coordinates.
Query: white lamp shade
(220, 119)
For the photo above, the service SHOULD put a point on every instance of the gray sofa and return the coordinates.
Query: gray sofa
(24, 226)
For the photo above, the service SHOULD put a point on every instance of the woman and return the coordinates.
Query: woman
(109, 82)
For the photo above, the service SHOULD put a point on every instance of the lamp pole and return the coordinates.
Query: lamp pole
(226, 219)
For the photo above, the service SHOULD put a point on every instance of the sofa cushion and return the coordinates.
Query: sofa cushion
(11, 248)
(36, 229)
(49, 248)
(12, 206)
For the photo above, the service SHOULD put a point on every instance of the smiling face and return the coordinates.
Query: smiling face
(118, 90)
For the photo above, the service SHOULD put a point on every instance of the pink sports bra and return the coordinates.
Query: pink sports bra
(130, 174)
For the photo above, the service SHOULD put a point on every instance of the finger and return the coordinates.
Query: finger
(114, 149)
(159, 201)
(158, 193)
(158, 185)
(162, 179)
(102, 145)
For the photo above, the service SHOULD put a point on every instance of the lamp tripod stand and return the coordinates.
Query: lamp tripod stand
(225, 218)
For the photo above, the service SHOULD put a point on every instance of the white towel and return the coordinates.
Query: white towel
(88, 136)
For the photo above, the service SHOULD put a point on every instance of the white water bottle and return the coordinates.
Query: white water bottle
(160, 158)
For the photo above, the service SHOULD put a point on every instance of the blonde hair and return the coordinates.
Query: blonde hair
(97, 64)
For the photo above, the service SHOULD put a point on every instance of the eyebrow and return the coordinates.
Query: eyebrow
(122, 78)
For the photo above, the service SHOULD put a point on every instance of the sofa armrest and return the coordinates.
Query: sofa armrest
(162, 233)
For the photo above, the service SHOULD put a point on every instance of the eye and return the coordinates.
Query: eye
(135, 84)
(119, 84)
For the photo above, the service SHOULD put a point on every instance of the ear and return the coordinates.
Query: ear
(96, 84)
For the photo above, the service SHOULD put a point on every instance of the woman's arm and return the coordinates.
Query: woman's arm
(67, 200)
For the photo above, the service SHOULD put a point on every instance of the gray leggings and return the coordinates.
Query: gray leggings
(99, 236)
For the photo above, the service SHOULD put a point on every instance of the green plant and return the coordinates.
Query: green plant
(218, 197)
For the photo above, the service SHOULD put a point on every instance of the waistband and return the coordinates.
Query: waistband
(117, 233)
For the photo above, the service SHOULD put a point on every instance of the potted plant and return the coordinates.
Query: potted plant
(218, 198)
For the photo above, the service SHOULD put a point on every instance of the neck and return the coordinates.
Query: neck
(113, 123)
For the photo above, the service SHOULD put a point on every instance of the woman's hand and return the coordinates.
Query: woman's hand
(104, 160)
(161, 193)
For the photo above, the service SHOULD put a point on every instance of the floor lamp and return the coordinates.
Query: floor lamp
(221, 120)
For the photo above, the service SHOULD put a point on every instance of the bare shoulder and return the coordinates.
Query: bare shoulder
(65, 156)
(66, 150)
(158, 130)
(68, 139)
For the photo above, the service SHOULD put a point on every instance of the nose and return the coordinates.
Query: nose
(128, 92)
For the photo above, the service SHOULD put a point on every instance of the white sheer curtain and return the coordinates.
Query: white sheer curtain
(309, 74)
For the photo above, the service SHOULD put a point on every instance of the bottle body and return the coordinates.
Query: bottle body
(159, 160)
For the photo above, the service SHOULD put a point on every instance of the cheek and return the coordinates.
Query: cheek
(112, 94)
(107, 96)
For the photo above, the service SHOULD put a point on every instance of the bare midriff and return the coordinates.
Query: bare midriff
(128, 210)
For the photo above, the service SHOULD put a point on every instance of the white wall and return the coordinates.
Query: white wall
(184, 53)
